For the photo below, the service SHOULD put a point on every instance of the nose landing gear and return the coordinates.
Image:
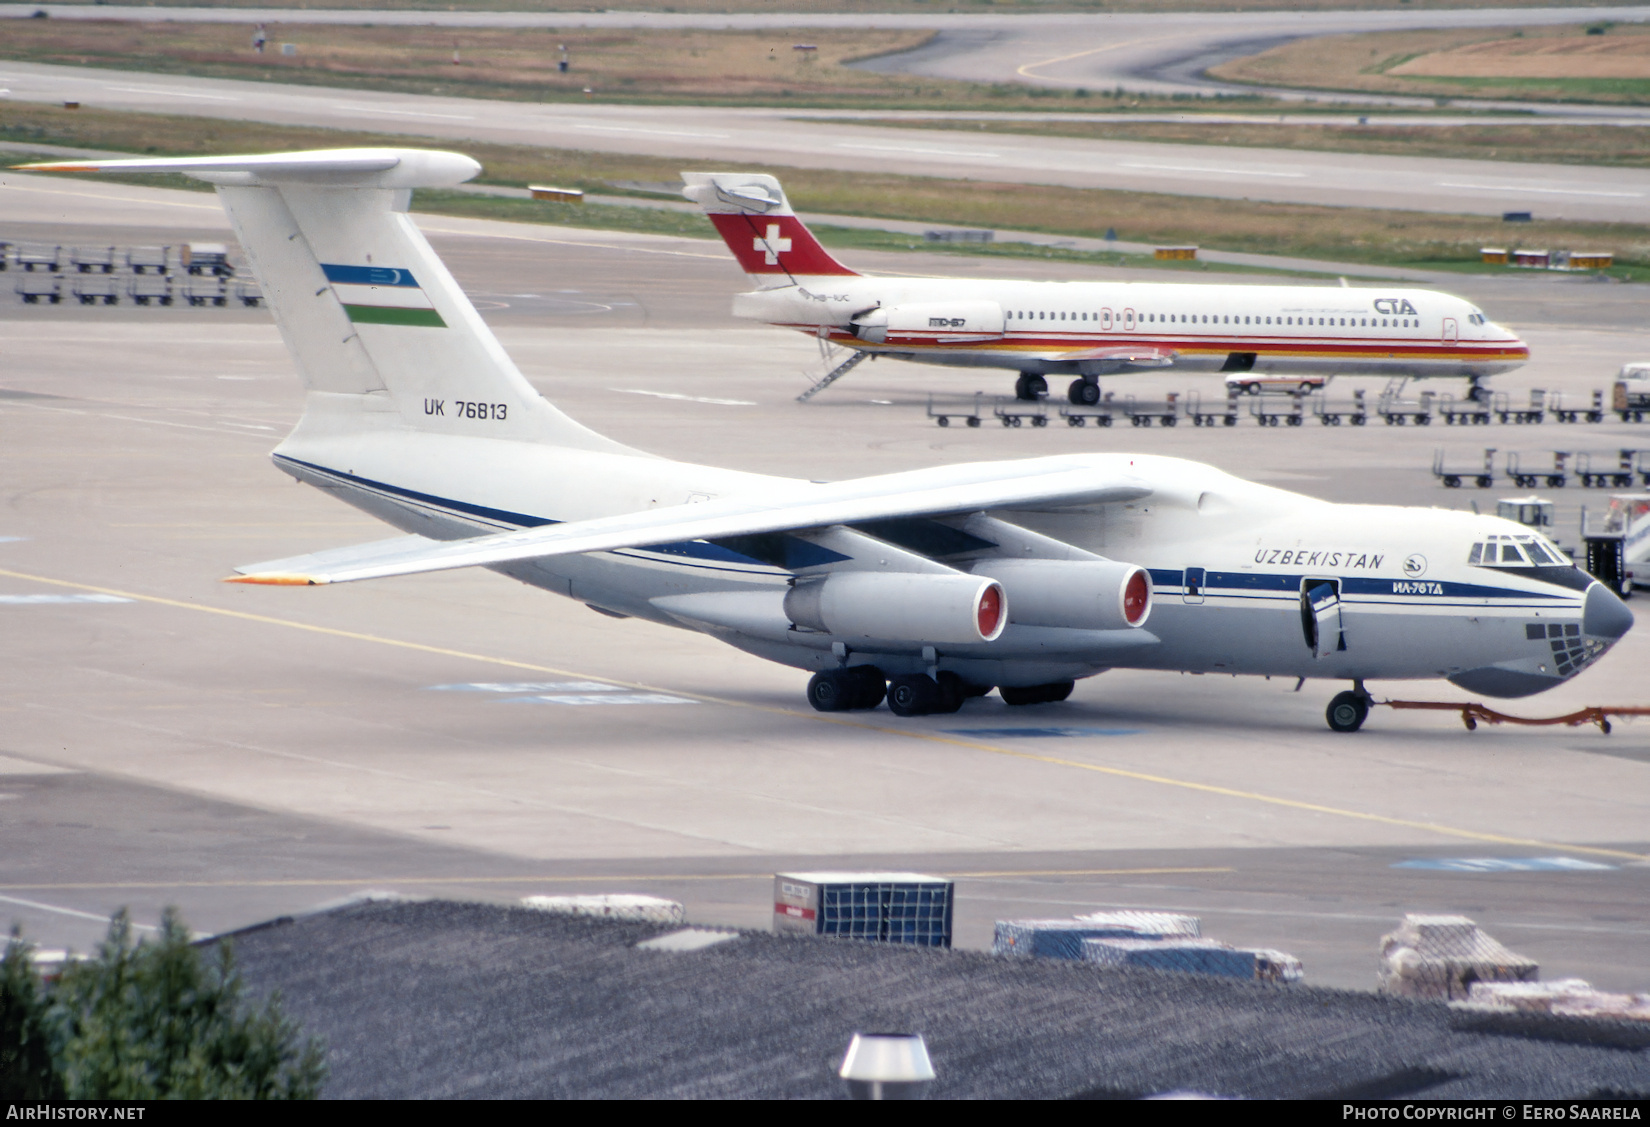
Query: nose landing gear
(1347, 711)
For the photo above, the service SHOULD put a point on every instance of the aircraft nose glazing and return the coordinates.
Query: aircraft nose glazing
(1604, 615)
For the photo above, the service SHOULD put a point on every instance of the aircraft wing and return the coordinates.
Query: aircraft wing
(1056, 482)
(1125, 355)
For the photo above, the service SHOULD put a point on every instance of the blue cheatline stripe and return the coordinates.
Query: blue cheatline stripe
(1228, 584)
(368, 275)
(692, 549)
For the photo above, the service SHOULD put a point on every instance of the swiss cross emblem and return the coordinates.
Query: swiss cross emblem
(771, 245)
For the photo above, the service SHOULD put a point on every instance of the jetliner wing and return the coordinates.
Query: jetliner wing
(1034, 484)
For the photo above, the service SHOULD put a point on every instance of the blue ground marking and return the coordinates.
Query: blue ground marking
(11, 539)
(34, 600)
(600, 698)
(1040, 733)
(1504, 865)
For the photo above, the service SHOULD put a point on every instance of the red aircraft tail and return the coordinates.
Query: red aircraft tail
(755, 219)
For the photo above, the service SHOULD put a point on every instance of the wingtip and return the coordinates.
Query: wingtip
(276, 579)
(56, 166)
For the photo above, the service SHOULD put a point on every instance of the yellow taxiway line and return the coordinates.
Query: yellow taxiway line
(826, 718)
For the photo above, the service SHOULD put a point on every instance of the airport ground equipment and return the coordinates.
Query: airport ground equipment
(247, 292)
(1223, 414)
(1062, 938)
(914, 909)
(206, 259)
(1531, 512)
(96, 289)
(1555, 478)
(1531, 414)
(1165, 412)
(940, 582)
(1195, 956)
(1396, 411)
(1010, 415)
(33, 258)
(1618, 551)
(35, 288)
(833, 375)
(149, 260)
(208, 290)
(1101, 414)
(1482, 476)
(1329, 414)
(1268, 413)
(1469, 412)
(149, 289)
(1474, 714)
(1259, 383)
(93, 260)
(1440, 958)
(1630, 395)
(1568, 413)
(5, 255)
(943, 418)
(1619, 476)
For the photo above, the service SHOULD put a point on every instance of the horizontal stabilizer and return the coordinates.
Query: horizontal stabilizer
(1055, 482)
(338, 168)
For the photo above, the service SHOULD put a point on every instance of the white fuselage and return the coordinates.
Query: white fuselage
(1228, 559)
(1092, 328)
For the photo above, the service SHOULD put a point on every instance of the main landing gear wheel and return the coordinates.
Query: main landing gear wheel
(841, 690)
(1036, 694)
(1084, 393)
(1030, 387)
(1347, 712)
(917, 694)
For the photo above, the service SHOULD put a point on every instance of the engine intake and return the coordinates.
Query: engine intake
(1078, 594)
(903, 606)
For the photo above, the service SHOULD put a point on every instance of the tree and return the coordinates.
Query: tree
(158, 1020)
(26, 1070)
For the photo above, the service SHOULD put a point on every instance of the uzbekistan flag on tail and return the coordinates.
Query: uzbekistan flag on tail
(382, 295)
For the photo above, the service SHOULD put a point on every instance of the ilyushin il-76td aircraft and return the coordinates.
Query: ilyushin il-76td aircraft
(924, 587)
(1089, 329)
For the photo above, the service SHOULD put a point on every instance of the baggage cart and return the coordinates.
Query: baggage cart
(1223, 414)
(96, 289)
(92, 260)
(943, 418)
(1166, 413)
(34, 289)
(1332, 415)
(1566, 413)
(1555, 478)
(149, 260)
(39, 258)
(1481, 476)
(1533, 414)
(150, 289)
(1016, 412)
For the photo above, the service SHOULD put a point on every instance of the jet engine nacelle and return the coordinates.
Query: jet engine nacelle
(1079, 594)
(926, 322)
(903, 606)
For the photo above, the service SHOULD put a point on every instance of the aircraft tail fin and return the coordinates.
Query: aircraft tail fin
(751, 213)
(381, 333)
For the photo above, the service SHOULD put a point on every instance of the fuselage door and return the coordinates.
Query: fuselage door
(1452, 330)
(1105, 320)
(1128, 320)
(1321, 616)
(1192, 585)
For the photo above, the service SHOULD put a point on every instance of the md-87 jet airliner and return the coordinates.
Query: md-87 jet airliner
(923, 587)
(1089, 329)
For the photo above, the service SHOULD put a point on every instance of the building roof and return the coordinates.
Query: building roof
(443, 999)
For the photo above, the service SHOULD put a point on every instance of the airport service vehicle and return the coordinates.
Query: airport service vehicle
(925, 586)
(1628, 518)
(1257, 383)
(1089, 329)
(1630, 398)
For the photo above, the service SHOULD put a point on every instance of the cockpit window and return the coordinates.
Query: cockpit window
(1519, 551)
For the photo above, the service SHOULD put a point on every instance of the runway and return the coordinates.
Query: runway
(244, 752)
(1157, 52)
(774, 138)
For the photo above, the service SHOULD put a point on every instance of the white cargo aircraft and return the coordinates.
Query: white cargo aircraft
(927, 586)
(1089, 329)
